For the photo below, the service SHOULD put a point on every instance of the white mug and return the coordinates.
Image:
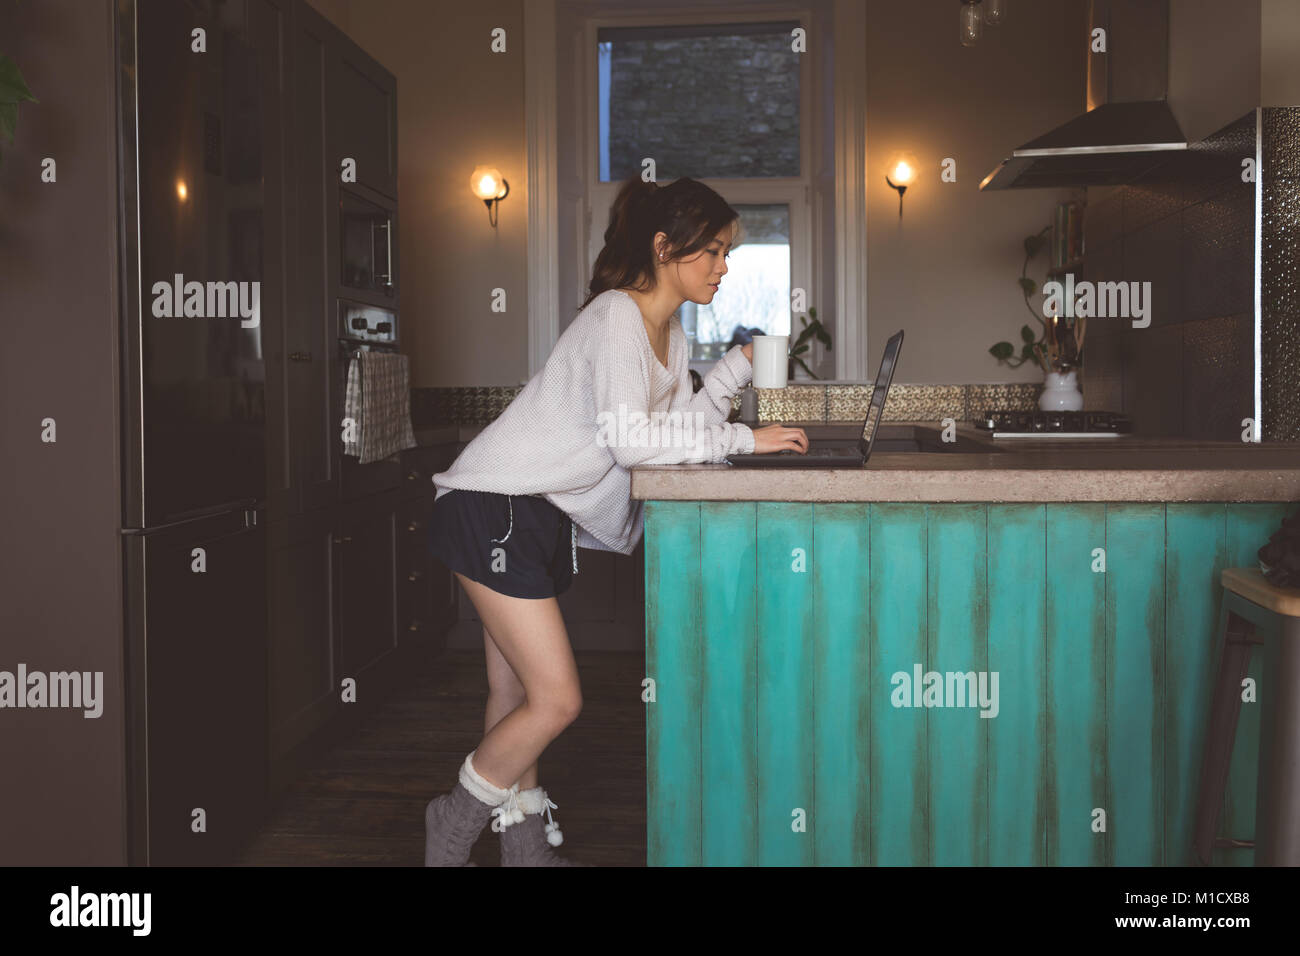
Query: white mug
(771, 361)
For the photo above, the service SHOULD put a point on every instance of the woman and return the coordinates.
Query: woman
(551, 474)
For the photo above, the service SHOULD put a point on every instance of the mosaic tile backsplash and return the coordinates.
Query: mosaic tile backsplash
(1187, 228)
(1280, 274)
(431, 407)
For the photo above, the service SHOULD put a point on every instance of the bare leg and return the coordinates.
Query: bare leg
(531, 637)
(505, 693)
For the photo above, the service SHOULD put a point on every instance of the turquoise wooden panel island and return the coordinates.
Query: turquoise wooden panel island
(847, 673)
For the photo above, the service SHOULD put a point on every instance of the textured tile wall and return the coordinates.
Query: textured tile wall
(1187, 228)
(479, 406)
(1280, 274)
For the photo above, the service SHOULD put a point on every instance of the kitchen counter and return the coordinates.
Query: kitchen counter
(984, 469)
(793, 616)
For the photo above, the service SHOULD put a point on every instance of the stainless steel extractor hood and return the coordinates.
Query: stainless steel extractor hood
(1128, 127)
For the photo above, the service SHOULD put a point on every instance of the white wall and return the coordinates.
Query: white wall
(1214, 58)
(1280, 53)
(948, 272)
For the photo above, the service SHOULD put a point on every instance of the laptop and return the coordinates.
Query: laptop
(837, 453)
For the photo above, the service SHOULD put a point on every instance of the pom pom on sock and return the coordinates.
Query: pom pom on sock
(553, 835)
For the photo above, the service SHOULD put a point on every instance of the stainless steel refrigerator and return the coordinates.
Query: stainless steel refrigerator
(193, 424)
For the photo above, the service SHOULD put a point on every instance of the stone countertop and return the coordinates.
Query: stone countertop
(1125, 468)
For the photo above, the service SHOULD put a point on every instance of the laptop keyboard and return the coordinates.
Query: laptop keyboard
(820, 452)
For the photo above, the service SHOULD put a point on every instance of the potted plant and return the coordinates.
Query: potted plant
(1057, 345)
(801, 345)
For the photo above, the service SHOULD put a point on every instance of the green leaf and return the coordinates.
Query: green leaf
(812, 312)
(1027, 334)
(8, 120)
(804, 366)
(823, 336)
(12, 87)
(1032, 245)
(1028, 285)
(1002, 351)
(800, 350)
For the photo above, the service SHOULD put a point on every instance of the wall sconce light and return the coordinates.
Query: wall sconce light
(901, 175)
(486, 183)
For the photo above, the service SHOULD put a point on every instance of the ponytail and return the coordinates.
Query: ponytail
(687, 211)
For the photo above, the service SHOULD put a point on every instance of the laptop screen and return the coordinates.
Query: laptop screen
(879, 392)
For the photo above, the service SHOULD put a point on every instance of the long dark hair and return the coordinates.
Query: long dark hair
(686, 210)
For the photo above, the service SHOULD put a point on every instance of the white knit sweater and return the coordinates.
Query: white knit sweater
(560, 439)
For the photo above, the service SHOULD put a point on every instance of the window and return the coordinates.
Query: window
(727, 102)
(755, 293)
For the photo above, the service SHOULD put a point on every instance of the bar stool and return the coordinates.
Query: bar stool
(1255, 613)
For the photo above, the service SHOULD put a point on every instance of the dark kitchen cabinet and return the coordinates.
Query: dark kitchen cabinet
(415, 587)
(299, 337)
(363, 107)
(301, 659)
(367, 584)
(427, 590)
(331, 101)
(335, 536)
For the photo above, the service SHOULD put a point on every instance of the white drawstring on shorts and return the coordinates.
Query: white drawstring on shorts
(509, 501)
(573, 532)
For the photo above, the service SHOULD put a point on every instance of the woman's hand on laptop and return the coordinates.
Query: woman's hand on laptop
(779, 438)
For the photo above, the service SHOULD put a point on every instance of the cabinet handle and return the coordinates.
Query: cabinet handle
(413, 476)
(300, 356)
(413, 526)
(413, 626)
(343, 539)
(414, 576)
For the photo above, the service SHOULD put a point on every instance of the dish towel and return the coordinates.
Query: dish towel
(378, 401)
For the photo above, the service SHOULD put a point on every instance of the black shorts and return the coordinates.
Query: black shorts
(519, 545)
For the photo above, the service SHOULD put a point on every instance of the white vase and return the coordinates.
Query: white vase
(1061, 392)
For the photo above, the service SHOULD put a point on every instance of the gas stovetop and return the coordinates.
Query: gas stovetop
(1054, 424)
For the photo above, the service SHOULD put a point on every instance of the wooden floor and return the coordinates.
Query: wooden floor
(362, 801)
